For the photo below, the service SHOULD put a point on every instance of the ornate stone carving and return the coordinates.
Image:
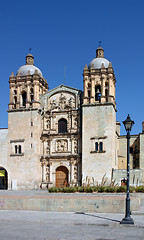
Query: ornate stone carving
(75, 171)
(71, 102)
(53, 105)
(75, 122)
(48, 173)
(48, 147)
(75, 145)
(62, 146)
(62, 103)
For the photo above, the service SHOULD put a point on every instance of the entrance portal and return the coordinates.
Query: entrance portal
(61, 177)
(3, 179)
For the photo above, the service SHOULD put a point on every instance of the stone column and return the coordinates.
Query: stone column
(92, 89)
(18, 97)
(103, 88)
(43, 170)
(110, 87)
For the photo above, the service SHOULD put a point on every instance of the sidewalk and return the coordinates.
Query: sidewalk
(33, 225)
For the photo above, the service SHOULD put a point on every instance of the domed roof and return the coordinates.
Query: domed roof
(97, 62)
(29, 67)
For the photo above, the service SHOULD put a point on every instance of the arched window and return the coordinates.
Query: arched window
(31, 95)
(96, 146)
(24, 99)
(89, 93)
(106, 91)
(62, 125)
(101, 146)
(19, 148)
(16, 149)
(97, 92)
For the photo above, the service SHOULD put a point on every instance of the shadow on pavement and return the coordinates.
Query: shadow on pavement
(91, 215)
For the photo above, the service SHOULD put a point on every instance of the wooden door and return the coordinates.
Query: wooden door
(62, 177)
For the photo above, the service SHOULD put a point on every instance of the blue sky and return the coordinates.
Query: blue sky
(66, 33)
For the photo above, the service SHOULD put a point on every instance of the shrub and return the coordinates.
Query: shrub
(69, 190)
(121, 189)
(95, 188)
(53, 189)
(131, 189)
(140, 189)
(110, 189)
(89, 189)
(80, 189)
(101, 189)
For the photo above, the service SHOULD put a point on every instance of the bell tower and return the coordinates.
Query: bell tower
(99, 119)
(26, 86)
(24, 124)
(99, 79)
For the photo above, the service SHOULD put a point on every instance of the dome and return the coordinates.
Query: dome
(28, 69)
(97, 62)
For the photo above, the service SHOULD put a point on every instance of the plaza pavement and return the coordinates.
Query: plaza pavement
(41, 225)
(76, 225)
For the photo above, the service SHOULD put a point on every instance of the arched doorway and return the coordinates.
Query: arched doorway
(3, 179)
(61, 177)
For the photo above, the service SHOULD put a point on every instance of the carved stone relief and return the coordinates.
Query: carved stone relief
(75, 145)
(75, 122)
(47, 147)
(62, 102)
(48, 173)
(62, 146)
(75, 171)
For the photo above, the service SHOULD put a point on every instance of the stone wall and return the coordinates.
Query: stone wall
(24, 165)
(98, 126)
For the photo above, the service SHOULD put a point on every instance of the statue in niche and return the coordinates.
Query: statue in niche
(48, 173)
(48, 147)
(62, 101)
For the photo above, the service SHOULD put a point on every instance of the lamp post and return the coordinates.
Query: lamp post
(128, 123)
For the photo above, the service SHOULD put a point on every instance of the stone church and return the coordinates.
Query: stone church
(66, 137)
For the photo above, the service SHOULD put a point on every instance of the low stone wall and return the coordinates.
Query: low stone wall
(70, 203)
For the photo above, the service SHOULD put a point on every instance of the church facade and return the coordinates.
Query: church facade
(66, 137)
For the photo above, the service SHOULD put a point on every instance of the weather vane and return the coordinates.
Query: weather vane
(30, 50)
(100, 43)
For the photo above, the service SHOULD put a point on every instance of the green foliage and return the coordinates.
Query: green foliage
(139, 189)
(89, 189)
(53, 189)
(121, 189)
(132, 189)
(80, 189)
(110, 189)
(95, 188)
(99, 189)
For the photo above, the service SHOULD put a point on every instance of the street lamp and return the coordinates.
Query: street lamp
(128, 123)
